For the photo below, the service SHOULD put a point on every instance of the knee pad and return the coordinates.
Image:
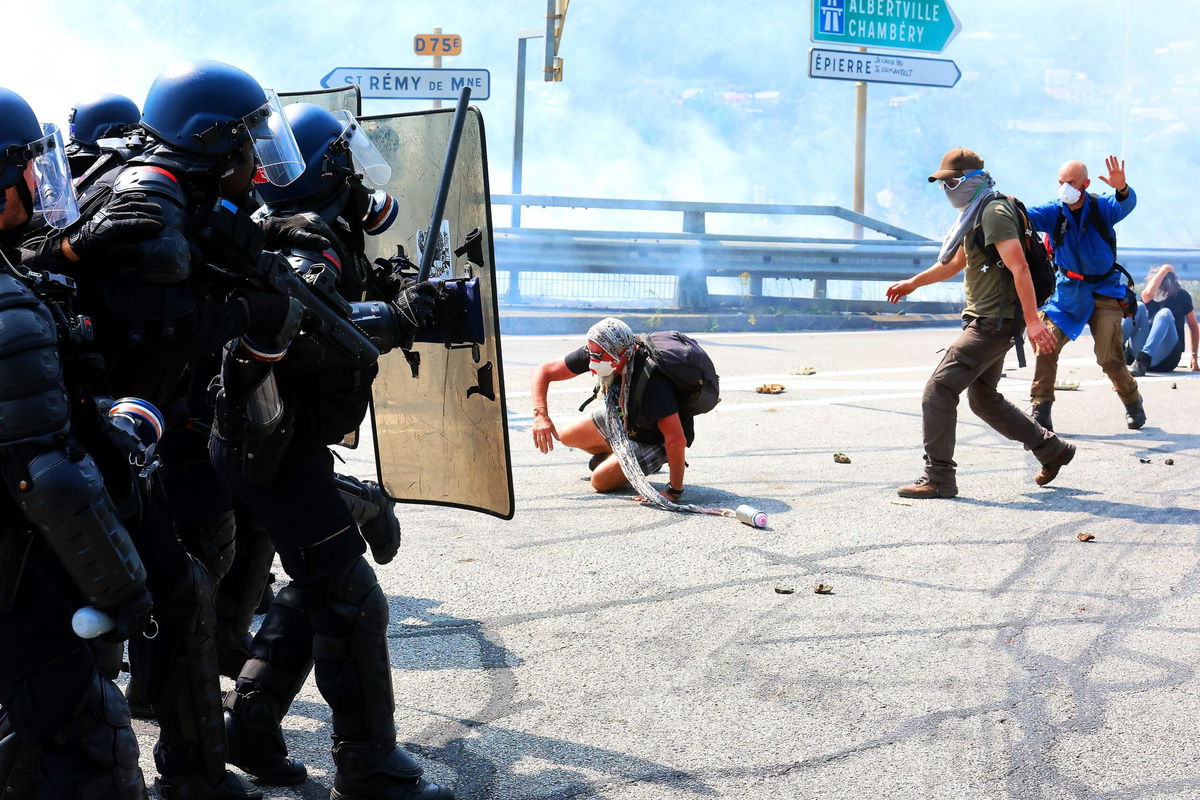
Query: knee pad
(350, 651)
(47, 699)
(96, 752)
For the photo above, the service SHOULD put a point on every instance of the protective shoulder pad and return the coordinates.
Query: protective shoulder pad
(149, 180)
(14, 293)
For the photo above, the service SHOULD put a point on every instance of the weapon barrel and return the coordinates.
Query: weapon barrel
(331, 324)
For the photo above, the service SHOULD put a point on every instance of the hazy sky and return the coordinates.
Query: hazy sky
(707, 100)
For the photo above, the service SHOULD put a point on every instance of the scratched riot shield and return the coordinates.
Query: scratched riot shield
(442, 437)
(347, 98)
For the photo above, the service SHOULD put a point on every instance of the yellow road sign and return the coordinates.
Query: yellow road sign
(437, 44)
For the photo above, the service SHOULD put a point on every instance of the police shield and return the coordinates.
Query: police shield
(348, 98)
(442, 437)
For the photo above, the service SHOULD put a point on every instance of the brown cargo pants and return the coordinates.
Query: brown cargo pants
(1109, 344)
(974, 363)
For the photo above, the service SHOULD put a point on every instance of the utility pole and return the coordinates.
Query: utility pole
(860, 150)
(437, 61)
(556, 14)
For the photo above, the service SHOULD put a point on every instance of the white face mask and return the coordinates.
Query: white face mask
(603, 369)
(1068, 193)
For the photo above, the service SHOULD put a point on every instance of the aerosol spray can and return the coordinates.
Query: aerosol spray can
(751, 516)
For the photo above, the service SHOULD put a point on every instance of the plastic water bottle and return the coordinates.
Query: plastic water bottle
(751, 516)
(88, 623)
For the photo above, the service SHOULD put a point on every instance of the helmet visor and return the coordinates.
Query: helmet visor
(55, 197)
(367, 157)
(274, 144)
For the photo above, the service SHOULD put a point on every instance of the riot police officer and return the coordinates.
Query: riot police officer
(62, 545)
(106, 116)
(278, 410)
(164, 306)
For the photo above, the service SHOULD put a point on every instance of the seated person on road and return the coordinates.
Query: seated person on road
(658, 425)
(1154, 337)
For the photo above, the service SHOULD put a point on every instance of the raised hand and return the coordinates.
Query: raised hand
(1116, 173)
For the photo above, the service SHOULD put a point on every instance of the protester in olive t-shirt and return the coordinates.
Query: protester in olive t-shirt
(659, 430)
(999, 295)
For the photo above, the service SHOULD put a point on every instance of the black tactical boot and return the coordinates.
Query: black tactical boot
(1040, 412)
(367, 771)
(1141, 365)
(255, 738)
(1135, 415)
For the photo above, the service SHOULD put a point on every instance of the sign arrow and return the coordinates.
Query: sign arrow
(402, 83)
(847, 65)
(924, 25)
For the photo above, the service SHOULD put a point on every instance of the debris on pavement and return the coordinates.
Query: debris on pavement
(806, 370)
(1066, 386)
(1085, 537)
(1144, 460)
(841, 458)
(771, 388)
(1170, 462)
(823, 588)
(784, 590)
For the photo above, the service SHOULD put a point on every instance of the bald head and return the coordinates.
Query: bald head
(1073, 172)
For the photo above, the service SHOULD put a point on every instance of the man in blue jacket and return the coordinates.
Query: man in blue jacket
(1089, 290)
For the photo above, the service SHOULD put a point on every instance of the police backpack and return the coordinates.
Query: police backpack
(683, 361)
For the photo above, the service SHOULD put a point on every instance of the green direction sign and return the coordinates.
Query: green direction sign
(926, 25)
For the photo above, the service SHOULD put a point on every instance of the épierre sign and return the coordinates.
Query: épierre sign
(381, 83)
(848, 65)
(925, 25)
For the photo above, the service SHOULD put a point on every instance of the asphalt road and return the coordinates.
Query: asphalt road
(971, 648)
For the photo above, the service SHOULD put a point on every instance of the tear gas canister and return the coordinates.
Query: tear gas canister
(751, 516)
(88, 623)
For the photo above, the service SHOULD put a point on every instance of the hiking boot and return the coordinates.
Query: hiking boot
(923, 488)
(1040, 412)
(367, 771)
(1141, 365)
(1135, 415)
(1049, 470)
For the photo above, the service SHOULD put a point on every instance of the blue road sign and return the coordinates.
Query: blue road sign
(846, 65)
(402, 83)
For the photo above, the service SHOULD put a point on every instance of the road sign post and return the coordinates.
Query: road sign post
(924, 25)
(401, 83)
(845, 65)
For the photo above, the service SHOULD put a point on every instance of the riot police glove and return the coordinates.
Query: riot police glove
(125, 218)
(298, 232)
(130, 617)
(274, 319)
(414, 306)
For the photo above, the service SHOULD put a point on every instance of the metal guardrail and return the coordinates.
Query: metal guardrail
(692, 255)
